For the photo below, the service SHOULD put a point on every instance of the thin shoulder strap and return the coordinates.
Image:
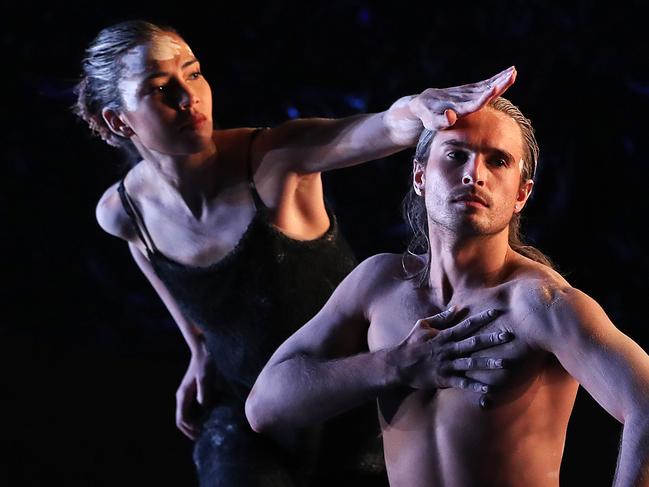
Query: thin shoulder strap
(136, 218)
(259, 203)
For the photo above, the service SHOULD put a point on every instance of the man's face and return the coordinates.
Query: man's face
(472, 179)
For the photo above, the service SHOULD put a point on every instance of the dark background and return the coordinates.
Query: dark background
(91, 360)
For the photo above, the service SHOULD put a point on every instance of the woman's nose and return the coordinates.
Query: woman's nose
(188, 97)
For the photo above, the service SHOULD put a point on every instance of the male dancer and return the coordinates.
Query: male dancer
(470, 183)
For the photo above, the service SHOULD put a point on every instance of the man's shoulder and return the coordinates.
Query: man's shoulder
(379, 266)
(375, 274)
(537, 284)
(549, 304)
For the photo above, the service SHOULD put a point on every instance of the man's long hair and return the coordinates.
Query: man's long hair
(414, 206)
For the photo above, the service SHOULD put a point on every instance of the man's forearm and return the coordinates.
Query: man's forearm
(304, 390)
(298, 389)
(633, 462)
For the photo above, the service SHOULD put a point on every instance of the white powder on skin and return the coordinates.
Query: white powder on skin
(134, 63)
(161, 48)
(164, 48)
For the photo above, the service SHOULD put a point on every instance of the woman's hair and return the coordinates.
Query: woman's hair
(102, 69)
(414, 207)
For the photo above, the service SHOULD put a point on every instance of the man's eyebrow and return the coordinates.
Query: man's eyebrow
(465, 145)
(160, 74)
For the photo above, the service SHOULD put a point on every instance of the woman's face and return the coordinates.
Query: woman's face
(166, 101)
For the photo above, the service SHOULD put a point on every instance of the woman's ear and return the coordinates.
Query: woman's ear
(116, 124)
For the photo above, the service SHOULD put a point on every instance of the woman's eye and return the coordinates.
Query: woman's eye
(157, 89)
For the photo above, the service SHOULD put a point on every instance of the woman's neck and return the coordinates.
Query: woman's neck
(196, 178)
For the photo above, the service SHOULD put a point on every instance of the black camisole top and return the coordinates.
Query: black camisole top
(247, 303)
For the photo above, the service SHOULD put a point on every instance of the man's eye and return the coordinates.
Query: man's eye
(195, 75)
(499, 162)
(459, 156)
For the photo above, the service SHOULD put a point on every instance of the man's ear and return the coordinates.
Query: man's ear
(418, 177)
(523, 195)
(116, 123)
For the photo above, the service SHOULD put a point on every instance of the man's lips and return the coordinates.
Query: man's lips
(471, 200)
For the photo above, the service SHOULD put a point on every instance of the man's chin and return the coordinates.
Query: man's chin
(471, 226)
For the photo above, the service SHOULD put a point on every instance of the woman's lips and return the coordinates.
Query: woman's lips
(194, 122)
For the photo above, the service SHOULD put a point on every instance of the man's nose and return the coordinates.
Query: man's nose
(474, 172)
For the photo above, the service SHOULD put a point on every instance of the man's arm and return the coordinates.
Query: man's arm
(320, 371)
(314, 145)
(611, 367)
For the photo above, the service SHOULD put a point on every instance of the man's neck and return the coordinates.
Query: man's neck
(466, 263)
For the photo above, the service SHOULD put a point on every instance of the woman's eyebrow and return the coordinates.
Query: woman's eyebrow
(159, 74)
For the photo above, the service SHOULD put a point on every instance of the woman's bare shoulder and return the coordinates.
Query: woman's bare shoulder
(112, 217)
(234, 138)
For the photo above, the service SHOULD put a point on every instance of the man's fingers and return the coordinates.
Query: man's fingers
(469, 326)
(467, 384)
(480, 342)
(476, 363)
(441, 318)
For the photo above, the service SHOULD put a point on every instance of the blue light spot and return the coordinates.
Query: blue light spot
(638, 87)
(356, 102)
(292, 112)
(364, 16)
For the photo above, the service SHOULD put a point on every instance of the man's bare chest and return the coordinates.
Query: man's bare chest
(393, 317)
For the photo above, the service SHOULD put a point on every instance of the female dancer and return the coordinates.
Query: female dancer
(230, 226)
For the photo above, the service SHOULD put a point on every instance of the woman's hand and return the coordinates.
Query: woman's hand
(195, 393)
(439, 108)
